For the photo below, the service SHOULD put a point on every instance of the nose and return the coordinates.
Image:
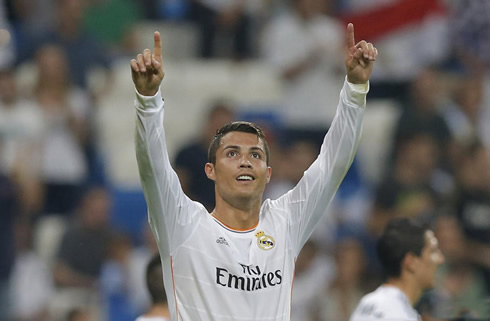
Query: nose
(245, 162)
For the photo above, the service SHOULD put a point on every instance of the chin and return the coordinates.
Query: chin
(246, 195)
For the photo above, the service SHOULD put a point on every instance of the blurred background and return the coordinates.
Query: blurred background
(74, 238)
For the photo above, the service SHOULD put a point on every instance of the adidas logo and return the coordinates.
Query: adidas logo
(221, 240)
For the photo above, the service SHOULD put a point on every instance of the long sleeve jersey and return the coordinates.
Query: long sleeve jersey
(214, 272)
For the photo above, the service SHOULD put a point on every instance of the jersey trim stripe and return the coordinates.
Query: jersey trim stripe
(292, 286)
(173, 285)
(234, 229)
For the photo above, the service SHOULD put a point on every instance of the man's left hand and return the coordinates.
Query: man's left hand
(359, 58)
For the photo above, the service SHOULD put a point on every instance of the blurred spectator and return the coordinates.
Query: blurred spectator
(303, 45)
(459, 286)
(190, 160)
(154, 283)
(467, 117)
(470, 33)
(313, 271)
(114, 280)
(65, 112)
(32, 284)
(112, 23)
(421, 113)
(408, 189)
(292, 162)
(84, 53)
(8, 210)
(218, 21)
(21, 130)
(7, 37)
(83, 248)
(346, 288)
(279, 183)
(29, 18)
(139, 257)
(473, 203)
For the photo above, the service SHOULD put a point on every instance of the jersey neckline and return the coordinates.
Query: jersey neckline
(234, 230)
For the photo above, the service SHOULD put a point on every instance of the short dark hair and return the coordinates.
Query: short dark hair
(400, 237)
(236, 126)
(154, 280)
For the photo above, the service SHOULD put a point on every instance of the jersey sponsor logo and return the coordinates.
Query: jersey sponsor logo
(252, 279)
(265, 242)
(222, 240)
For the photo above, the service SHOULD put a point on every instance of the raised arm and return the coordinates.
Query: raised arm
(147, 69)
(170, 211)
(309, 200)
(359, 58)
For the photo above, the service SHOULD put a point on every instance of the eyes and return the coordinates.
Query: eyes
(234, 153)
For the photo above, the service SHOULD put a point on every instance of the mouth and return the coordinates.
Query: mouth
(245, 178)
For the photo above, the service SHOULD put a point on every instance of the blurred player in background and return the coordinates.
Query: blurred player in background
(154, 282)
(409, 254)
(237, 262)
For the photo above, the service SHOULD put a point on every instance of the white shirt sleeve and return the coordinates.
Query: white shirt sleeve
(308, 200)
(171, 213)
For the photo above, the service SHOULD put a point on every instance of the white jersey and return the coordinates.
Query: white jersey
(385, 303)
(214, 272)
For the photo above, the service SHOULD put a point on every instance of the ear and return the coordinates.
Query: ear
(409, 263)
(210, 171)
(269, 174)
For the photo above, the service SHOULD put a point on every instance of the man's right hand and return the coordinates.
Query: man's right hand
(147, 69)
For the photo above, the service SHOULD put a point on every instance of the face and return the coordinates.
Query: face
(426, 90)
(96, 208)
(241, 170)
(217, 119)
(421, 154)
(52, 64)
(350, 261)
(471, 96)
(426, 265)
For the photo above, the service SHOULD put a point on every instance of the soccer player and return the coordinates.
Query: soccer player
(154, 283)
(237, 262)
(409, 254)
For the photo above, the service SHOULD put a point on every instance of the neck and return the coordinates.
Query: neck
(158, 310)
(409, 287)
(239, 217)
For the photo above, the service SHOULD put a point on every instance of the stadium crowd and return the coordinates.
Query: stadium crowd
(74, 241)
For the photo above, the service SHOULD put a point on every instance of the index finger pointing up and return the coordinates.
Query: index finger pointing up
(157, 50)
(351, 42)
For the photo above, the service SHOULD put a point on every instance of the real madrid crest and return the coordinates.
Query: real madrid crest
(265, 242)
